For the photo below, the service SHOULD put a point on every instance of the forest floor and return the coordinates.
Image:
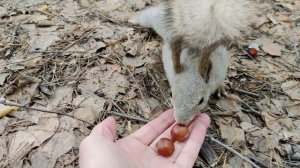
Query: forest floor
(80, 58)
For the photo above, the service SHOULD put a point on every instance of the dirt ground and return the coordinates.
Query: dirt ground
(80, 58)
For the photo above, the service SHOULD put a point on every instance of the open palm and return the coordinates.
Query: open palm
(138, 149)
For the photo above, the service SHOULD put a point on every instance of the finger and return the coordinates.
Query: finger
(189, 152)
(153, 129)
(106, 129)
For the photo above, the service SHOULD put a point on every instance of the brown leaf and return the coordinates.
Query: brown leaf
(43, 42)
(137, 61)
(137, 4)
(58, 145)
(92, 102)
(271, 48)
(21, 144)
(292, 89)
(147, 108)
(265, 143)
(86, 114)
(277, 107)
(25, 88)
(231, 134)
(108, 6)
(271, 122)
(3, 11)
(61, 97)
(3, 77)
(293, 108)
(229, 105)
(3, 148)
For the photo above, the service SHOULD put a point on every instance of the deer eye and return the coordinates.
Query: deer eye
(201, 101)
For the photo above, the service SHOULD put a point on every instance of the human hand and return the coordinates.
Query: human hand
(138, 149)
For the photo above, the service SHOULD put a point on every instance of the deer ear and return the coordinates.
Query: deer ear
(205, 67)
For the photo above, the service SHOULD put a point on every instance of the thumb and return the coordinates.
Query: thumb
(106, 129)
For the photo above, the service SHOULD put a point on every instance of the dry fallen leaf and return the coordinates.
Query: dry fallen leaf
(4, 110)
(108, 6)
(271, 122)
(3, 11)
(292, 89)
(147, 108)
(271, 48)
(86, 114)
(231, 134)
(265, 143)
(3, 149)
(47, 155)
(277, 107)
(43, 42)
(137, 61)
(236, 162)
(229, 105)
(293, 109)
(3, 77)
(20, 145)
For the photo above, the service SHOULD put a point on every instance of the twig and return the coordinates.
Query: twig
(140, 90)
(48, 51)
(82, 37)
(295, 163)
(131, 75)
(8, 103)
(107, 18)
(246, 92)
(159, 88)
(124, 115)
(295, 47)
(13, 46)
(68, 46)
(128, 117)
(250, 109)
(233, 151)
(246, 53)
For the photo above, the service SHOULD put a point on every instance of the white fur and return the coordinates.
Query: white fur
(203, 22)
(153, 17)
(202, 27)
(188, 87)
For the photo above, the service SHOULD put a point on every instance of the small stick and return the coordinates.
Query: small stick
(107, 18)
(209, 154)
(233, 151)
(161, 92)
(82, 37)
(250, 109)
(8, 103)
(124, 115)
(248, 93)
(295, 47)
(56, 51)
(140, 90)
(128, 117)
(246, 53)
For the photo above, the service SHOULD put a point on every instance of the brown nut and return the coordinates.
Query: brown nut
(165, 147)
(252, 52)
(179, 132)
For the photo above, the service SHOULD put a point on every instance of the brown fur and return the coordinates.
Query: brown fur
(176, 47)
(205, 63)
(205, 67)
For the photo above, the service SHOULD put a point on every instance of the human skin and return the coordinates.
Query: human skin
(137, 150)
